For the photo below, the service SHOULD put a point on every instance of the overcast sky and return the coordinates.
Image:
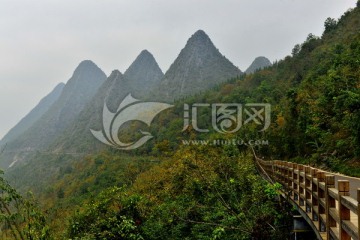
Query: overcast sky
(42, 41)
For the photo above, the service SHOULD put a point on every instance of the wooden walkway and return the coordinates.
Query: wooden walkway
(326, 201)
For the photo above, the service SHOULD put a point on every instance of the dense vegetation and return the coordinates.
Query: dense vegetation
(200, 193)
(314, 96)
(168, 190)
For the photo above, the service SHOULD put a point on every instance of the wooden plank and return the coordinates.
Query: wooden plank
(308, 201)
(316, 209)
(350, 228)
(319, 196)
(358, 212)
(334, 214)
(334, 193)
(315, 195)
(315, 180)
(343, 212)
(323, 217)
(330, 203)
(334, 233)
(322, 202)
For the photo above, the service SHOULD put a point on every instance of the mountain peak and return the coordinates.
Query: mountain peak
(115, 74)
(87, 68)
(199, 37)
(144, 58)
(145, 53)
(143, 74)
(200, 33)
(199, 66)
(259, 63)
(86, 64)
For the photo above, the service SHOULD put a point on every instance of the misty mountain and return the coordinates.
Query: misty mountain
(34, 115)
(258, 64)
(77, 92)
(143, 75)
(77, 135)
(198, 67)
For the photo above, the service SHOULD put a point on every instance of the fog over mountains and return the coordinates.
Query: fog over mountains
(139, 79)
(62, 120)
(34, 114)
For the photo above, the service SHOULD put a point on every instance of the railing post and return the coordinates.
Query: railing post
(289, 175)
(281, 172)
(290, 178)
(344, 213)
(329, 203)
(314, 200)
(274, 170)
(296, 182)
(301, 182)
(307, 186)
(358, 211)
(321, 194)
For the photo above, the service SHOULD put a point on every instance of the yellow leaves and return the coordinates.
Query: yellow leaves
(227, 89)
(163, 148)
(280, 121)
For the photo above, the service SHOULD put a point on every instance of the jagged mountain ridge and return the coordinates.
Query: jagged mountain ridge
(143, 75)
(258, 64)
(198, 67)
(34, 115)
(78, 134)
(80, 88)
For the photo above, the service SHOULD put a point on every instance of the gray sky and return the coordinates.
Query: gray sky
(42, 41)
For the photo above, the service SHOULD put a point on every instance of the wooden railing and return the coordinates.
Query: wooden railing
(325, 204)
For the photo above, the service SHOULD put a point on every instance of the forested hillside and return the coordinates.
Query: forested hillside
(168, 189)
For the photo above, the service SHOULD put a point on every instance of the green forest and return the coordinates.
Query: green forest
(170, 190)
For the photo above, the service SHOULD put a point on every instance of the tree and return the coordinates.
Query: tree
(330, 24)
(20, 217)
(296, 50)
(110, 216)
(208, 193)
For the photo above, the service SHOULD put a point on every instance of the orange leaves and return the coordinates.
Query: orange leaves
(280, 120)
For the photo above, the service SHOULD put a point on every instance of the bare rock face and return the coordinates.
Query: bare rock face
(198, 67)
(143, 75)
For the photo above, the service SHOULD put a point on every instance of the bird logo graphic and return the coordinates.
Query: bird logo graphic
(130, 109)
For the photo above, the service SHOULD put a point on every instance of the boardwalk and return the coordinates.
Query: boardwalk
(328, 202)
